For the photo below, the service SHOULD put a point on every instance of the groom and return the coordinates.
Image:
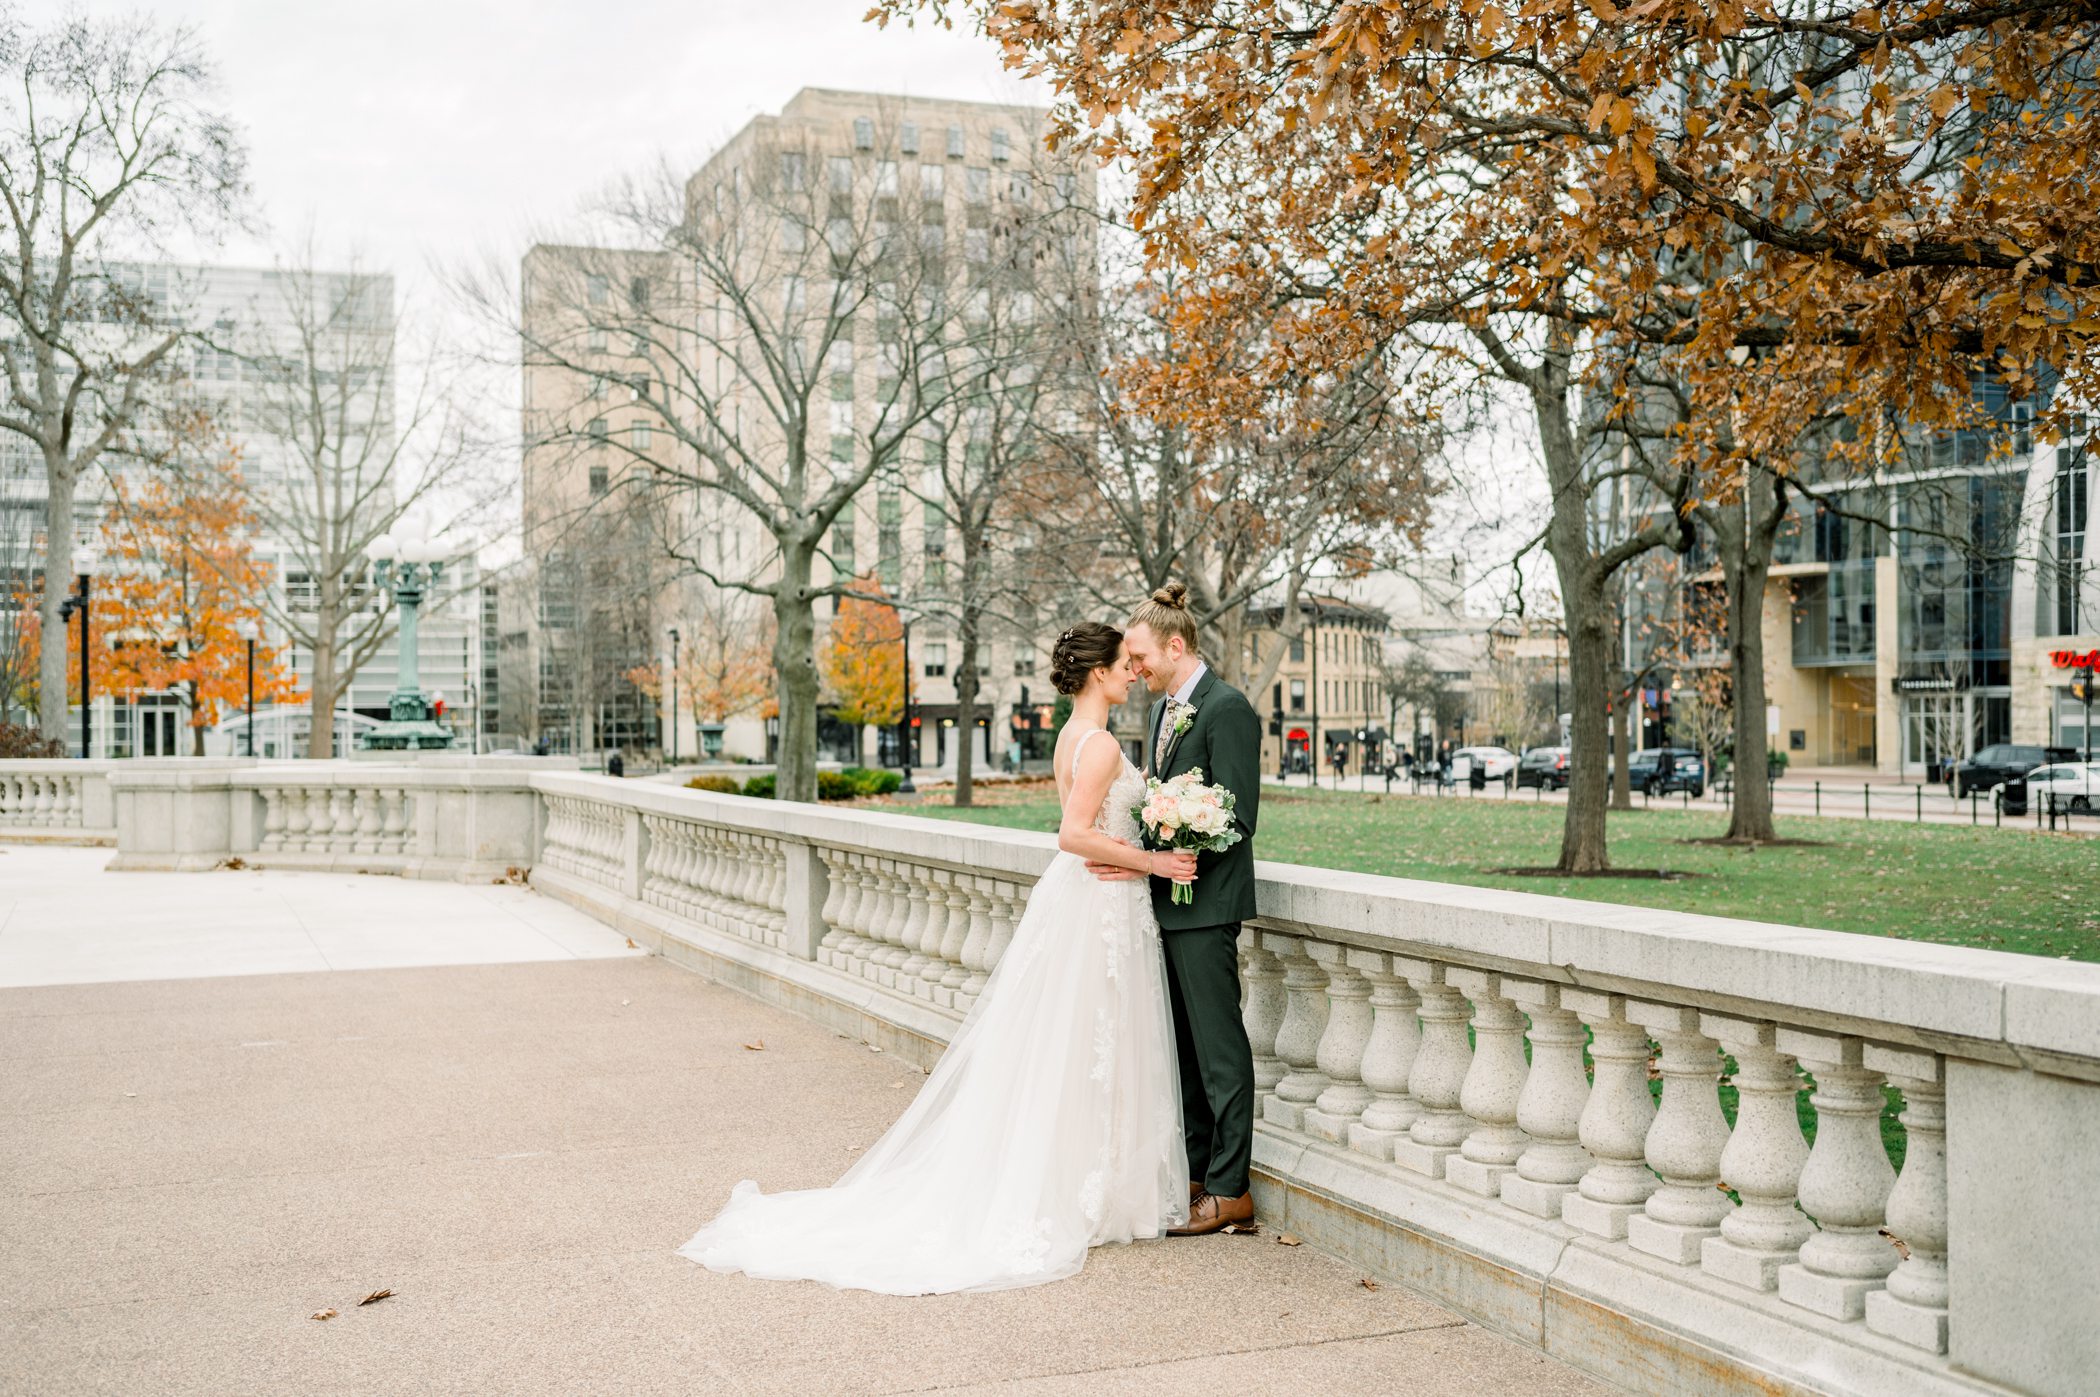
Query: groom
(1201, 721)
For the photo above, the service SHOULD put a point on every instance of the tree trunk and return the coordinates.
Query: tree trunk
(1622, 744)
(1746, 563)
(1582, 842)
(320, 703)
(51, 691)
(795, 670)
(966, 704)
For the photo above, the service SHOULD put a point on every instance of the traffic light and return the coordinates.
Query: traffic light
(1276, 722)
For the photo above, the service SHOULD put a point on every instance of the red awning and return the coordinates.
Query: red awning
(1299, 735)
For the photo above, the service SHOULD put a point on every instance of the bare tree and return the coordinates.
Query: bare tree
(350, 463)
(107, 142)
(787, 280)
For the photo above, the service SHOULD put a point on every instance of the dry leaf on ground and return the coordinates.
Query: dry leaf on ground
(375, 1297)
(1285, 1239)
(1241, 1229)
(322, 1314)
(895, 1085)
(756, 1045)
(631, 946)
(1896, 1242)
(1368, 1284)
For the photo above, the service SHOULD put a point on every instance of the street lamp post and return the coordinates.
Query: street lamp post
(247, 631)
(905, 787)
(406, 565)
(84, 566)
(674, 695)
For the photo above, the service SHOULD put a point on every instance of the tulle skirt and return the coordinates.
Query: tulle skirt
(1052, 1124)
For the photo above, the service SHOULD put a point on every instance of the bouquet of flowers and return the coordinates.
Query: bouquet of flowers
(1183, 813)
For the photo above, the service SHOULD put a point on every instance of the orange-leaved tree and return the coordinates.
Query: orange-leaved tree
(863, 663)
(725, 660)
(178, 582)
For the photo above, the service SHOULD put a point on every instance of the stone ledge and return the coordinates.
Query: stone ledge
(436, 870)
(91, 838)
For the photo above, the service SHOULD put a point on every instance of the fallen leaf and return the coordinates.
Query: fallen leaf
(375, 1297)
(631, 946)
(1241, 1229)
(873, 1049)
(895, 1085)
(1368, 1284)
(322, 1314)
(1285, 1239)
(852, 1149)
(131, 1093)
(756, 1045)
(1897, 1242)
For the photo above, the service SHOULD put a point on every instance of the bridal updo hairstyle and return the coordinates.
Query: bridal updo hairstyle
(1080, 651)
(1167, 615)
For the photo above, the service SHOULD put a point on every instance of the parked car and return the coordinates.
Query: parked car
(1496, 762)
(1657, 771)
(1543, 767)
(2001, 761)
(2074, 785)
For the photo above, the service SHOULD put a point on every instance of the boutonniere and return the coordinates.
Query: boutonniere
(1185, 721)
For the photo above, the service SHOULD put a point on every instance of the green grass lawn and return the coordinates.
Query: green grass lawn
(2004, 889)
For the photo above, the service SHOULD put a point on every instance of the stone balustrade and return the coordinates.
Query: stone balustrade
(58, 799)
(1656, 1145)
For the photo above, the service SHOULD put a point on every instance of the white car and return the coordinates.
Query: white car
(2075, 785)
(1498, 762)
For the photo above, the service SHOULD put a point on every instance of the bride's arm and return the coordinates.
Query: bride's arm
(1096, 770)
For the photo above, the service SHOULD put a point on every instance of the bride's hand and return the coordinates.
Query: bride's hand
(1179, 865)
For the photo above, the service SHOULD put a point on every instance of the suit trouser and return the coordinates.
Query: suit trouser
(1217, 1065)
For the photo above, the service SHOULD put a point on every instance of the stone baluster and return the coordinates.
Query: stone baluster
(1846, 1183)
(834, 863)
(775, 883)
(953, 972)
(1913, 1308)
(10, 786)
(656, 864)
(1340, 1054)
(1438, 1076)
(42, 817)
(896, 918)
(394, 818)
(1762, 1160)
(722, 875)
(975, 967)
(751, 887)
(1007, 901)
(1494, 1083)
(846, 883)
(273, 819)
(1549, 1109)
(1615, 1119)
(868, 911)
(295, 818)
(342, 819)
(1685, 1142)
(66, 812)
(1298, 1037)
(367, 816)
(917, 915)
(1261, 1009)
(706, 871)
(1388, 1056)
(320, 818)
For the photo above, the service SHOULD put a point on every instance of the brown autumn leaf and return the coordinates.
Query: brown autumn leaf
(375, 1297)
(1241, 1229)
(322, 1314)
(1368, 1284)
(756, 1045)
(1285, 1239)
(631, 946)
(1897, 1242)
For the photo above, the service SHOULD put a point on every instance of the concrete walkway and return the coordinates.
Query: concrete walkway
(189, 1168)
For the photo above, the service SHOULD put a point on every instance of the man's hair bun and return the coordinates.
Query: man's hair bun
(1174, 595)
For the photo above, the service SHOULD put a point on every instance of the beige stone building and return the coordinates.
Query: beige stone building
(847, 252)
(1329, 690)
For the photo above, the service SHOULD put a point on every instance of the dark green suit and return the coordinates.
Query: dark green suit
(1201, 938)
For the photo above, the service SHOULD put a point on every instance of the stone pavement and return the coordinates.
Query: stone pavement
(189, 1168)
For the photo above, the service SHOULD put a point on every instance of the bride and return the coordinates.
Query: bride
(1053, 1122)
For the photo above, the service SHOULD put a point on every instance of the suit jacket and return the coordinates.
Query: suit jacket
(1224, 740)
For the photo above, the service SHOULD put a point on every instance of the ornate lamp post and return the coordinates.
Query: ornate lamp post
(247, 630)
(86, 559)
(405, 566)
(674, 695)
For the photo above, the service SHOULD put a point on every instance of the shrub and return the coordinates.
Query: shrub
(872, 781)
(835, 785)
(722, 785)
(17, 741)
(760, 787)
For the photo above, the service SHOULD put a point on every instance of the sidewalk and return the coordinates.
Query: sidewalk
(190, 1168)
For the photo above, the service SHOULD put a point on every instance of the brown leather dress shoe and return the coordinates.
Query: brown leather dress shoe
(1210, 1213)
(1195, 1191)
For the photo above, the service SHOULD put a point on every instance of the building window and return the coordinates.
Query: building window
(908, 138)
(598, 481)
(937, 660)
(841, 168)
(933, 182)
(1297, 696)
(1067, 185)
(596, 342)
(977, 185)
(794, 236)
(886, 177)
(597, 430)
(863, 133)
(1024, 666)
(1298, 651)
(794, 172)
(842, 544)
(1017, 188)
(2073, 510)
(638, 291)
(1001, 149)
(640, 432)
(597, 288)
(955, 143)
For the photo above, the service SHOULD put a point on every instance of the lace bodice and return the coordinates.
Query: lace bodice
(1118, 817)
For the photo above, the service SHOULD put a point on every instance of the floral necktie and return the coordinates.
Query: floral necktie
(1166, 734)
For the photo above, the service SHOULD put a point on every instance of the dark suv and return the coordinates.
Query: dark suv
(1543, 767)
(1660, 770)
(2002, 761)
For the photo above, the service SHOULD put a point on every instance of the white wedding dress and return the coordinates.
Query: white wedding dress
(1052, 1123)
